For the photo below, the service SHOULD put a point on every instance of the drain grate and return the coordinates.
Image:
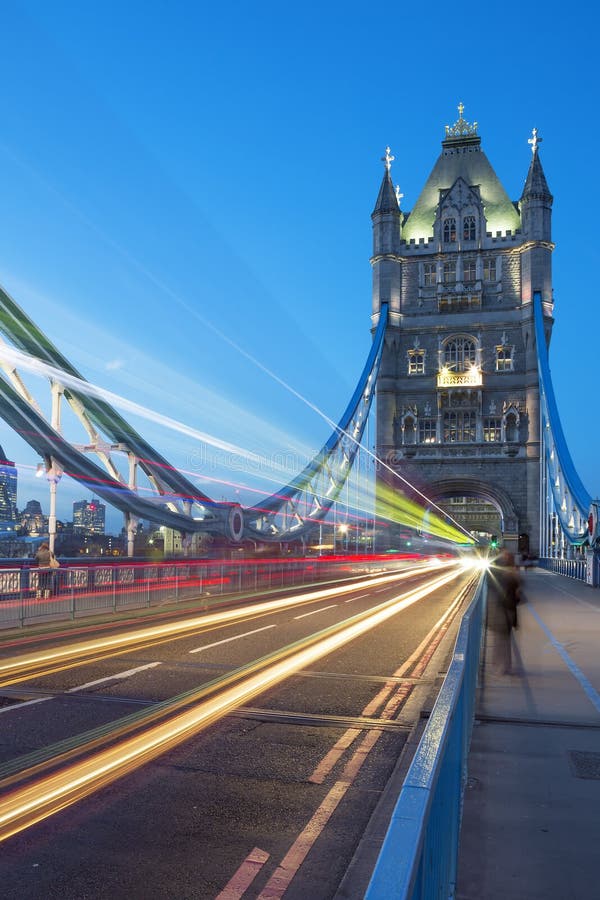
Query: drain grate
(585, 764)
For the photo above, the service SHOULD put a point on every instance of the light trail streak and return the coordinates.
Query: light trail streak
(394, 508)
(48, 795)
(38, 367)
(20, 668)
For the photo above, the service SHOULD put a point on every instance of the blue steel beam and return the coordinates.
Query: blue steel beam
(25, 335)
(295, 509)
(570, 491)
(316, 487)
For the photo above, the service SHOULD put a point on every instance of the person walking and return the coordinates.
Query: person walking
(503, 596)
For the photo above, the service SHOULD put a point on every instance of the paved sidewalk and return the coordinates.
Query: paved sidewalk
(531, 823)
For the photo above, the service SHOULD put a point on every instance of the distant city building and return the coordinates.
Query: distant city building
(32, 519)
(8, 489)
(88, 517)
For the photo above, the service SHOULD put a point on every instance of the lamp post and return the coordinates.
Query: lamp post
(53, 473)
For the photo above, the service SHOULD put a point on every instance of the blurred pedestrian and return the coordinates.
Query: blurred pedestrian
(503, 596)
(47, 562)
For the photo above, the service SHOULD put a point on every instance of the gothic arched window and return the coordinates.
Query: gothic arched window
(469, 228)
(469, 271)
(449, 230)
(460, 353)
(459, 427)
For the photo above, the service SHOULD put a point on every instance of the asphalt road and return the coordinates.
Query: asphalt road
(256, 798)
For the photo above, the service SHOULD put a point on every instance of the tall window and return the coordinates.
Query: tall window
(449, 230)
(504, 359)
(469, 271)
(489, 268)
(430, 273)
(459, 427)
(492, 429)
(469, 228)
(449, 272)
(416, 362)
(427, 432)
(460, 354)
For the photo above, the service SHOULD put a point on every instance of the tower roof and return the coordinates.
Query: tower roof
(462, 157)
(387, 201)
(386, 198)
(535, 183)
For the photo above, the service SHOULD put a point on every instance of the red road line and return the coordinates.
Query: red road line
(245, 875)
(281, 878)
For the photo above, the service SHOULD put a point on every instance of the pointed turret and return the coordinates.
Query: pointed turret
(386, 218)
(536, 199)
(535, 207)
(387, 201)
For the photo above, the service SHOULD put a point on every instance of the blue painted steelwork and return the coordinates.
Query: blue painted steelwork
(570, 568)
(290, 513)
(296, 508)
(418, 859)
(571, 500)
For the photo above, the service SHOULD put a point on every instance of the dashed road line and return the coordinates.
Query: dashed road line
(236, 637)
(315, 611)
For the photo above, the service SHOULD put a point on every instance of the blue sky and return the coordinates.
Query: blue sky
(171, 168)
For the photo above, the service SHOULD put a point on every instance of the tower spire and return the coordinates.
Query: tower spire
(387, 200)
(536, 186)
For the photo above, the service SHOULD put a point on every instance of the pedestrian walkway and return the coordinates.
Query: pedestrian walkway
(531, 821)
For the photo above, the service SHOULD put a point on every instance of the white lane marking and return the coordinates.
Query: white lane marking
(314, 611)
(6, 709)
(236, 637)
(360, 597)
(81, 687)
(127, 674)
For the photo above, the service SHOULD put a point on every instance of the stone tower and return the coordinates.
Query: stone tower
(458, 392)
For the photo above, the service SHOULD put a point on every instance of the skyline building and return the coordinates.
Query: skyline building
(458, 397)
(89, 517)
(8, 489)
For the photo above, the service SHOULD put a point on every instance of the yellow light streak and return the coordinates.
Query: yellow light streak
(37, 801)
(19, 668)
(396, 507)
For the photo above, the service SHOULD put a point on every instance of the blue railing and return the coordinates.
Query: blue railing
(419, 856)
(571, 568)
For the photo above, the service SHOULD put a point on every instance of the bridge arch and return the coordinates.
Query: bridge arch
(477, 487)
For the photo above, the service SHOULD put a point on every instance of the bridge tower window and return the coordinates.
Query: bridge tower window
(492, 430)
(430, 274)
(469, 271)
(449, 272)
(416, 362)
(427, 431)
(459, 427)
(489, 268)
(469, 228)
(504, 358)
(460, 353)
(449, 231)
